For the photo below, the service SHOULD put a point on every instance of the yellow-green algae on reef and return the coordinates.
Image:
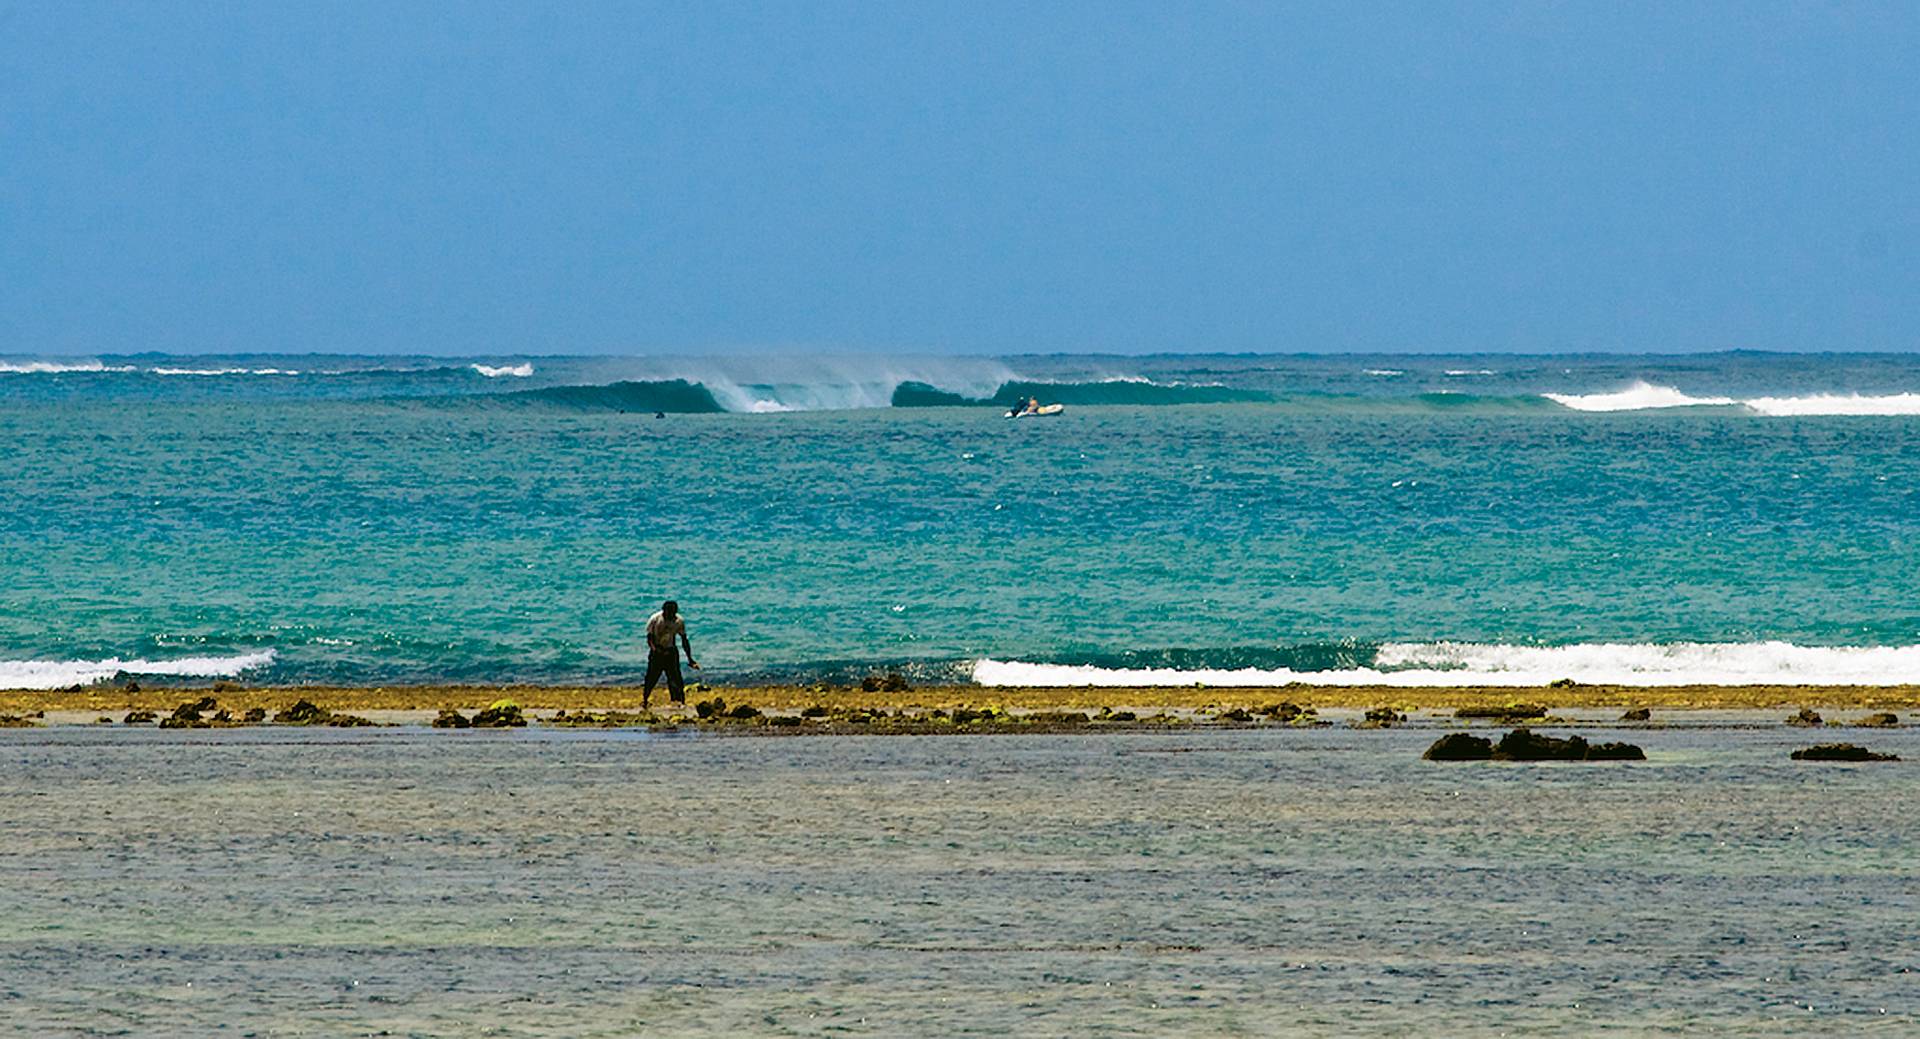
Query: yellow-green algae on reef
(239, 698)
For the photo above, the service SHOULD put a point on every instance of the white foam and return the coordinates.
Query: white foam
(52, 674)
(223, 371)
(1645, 396)
(54, 367)
(1458, 372)
(1641, 396)
(1466, 663)
(1385, 372)
(517, 371)
(1837, 404)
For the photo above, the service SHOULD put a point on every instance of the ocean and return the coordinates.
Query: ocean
(1255, 519)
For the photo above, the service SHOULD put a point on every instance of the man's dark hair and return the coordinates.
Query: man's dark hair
(670, 606)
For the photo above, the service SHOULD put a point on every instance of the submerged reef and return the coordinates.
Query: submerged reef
(1508, 713)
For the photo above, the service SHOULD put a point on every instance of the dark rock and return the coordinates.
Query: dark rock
(714, 708)
(1237, 715)
(1513, 712)
(1110, 715)
(744, 712)
(226, 687)
(303, 712)
(131, 686)
(1058, 718)
(14, 721)
(1882, 720)
(138, 717)
(223, 715)
(254, 715)
(967, 716)
(347, 721)
(1615, 752)
(1459, 746)
(448, 718)
(1525, 745)
(1382, 718)
(1282, 712)
(1562, 683)
(1840, 752)
(1806, 719)
(500, 714)
(1637, 714)
(784, 720)
(817, 711)
(189, 715)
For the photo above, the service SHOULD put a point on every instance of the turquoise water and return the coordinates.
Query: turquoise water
(1322, 882)
(374, 520)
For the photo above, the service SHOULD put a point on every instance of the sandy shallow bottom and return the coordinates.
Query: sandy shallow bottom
(588, 883)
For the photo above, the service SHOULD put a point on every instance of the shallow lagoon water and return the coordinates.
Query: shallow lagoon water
(1324, 882)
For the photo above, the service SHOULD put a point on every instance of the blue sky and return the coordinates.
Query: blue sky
(967, 177)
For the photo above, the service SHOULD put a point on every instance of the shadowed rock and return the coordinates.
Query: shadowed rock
(500, 714)
(1840, 752)
(139, 717)
(1380, 718)
(347, 721)
(1637, 714)
(1525, 745)
(1806, 719)
(254, 715)
(1882, 720)
(189, 715)
(303, 712)
(1459, 746)
(448, 718)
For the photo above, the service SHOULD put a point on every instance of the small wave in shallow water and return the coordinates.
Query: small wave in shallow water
(1465, 663)
(52, 674)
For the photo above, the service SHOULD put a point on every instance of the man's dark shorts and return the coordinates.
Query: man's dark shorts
(667, 664)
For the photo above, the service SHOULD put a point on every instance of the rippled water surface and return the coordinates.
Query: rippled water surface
(1226, 883)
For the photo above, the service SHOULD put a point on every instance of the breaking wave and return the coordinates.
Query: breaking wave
(1641, 396)
(1482, 664)
(57, 367)
(53, 674)
(517, 371)
(1645, 396)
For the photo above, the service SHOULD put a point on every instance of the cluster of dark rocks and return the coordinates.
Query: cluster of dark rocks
(1840, 752)
(1526, 745)
(500, 714)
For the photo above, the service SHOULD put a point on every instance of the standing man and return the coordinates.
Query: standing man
(663, 657)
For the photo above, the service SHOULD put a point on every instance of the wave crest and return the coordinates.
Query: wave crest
(1485, 664)
(667, 395)
(53, 674)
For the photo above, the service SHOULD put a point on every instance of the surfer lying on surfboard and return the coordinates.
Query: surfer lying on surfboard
(1033, 407)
